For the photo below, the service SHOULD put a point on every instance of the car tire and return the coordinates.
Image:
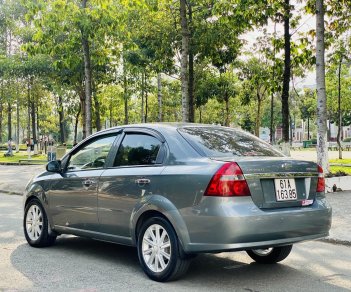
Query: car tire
(159, 251)
(35, 225)
(270, 255)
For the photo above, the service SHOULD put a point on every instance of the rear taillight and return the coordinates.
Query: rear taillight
(321, 180)
(228, 181)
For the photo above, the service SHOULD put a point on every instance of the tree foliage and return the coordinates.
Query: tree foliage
(90, 64)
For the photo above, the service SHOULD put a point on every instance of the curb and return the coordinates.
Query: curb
(20, 164)
(11, 193)
(342, 182)
(335, 241)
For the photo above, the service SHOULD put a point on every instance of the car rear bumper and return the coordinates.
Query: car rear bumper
(228, 224)
(198, 247)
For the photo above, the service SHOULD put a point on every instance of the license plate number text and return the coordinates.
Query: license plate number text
(285, 189)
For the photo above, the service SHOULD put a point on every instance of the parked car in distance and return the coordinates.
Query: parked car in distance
(176, 190)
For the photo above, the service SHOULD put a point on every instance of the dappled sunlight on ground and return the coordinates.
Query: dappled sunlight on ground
(78, 264)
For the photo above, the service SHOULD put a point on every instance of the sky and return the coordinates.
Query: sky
(307, 23)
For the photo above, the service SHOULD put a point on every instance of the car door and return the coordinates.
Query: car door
(73, 193)
(132, 175)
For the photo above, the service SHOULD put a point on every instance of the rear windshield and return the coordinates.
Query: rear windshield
(226, 142)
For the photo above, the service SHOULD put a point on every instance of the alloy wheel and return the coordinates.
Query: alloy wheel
(262, 252)
(156, 248)
(34, 222)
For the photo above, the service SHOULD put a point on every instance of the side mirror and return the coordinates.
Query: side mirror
(54, 166)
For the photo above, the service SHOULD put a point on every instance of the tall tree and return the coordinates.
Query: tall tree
(338, 138)
(87, 70)
(286, 76)
(159, 97)
(257, 75)
(184, 75)
(322, 147)
(338, 85)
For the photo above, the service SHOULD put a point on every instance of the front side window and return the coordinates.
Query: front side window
(137, 149)
(92, 155)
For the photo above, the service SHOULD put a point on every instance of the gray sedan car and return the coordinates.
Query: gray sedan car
(176, 190)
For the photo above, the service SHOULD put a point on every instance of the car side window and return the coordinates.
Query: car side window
(92, 155)
(137, 149)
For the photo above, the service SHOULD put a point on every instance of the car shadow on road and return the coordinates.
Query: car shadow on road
(79, 263)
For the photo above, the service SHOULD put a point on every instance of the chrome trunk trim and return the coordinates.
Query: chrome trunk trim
(280, 175)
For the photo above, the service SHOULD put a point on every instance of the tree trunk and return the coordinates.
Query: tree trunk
(191, 88)
(191, 66)
(18, 122)
(291, 130)
(322, 149)
(1, 109)
(97, 113)
(271, 134)
(146, 99)
(159, 97)
(87, 78)
(33, 116)
(308, 128)
(258, 117)
(28, 107)
(111, 117)
(328, 130)
(9, 120)
(76, 125)
(37, 120)
(339, 110)
(61, 120)
(226, 100)
(82, 108)
(286, 75)
(271, 128)
(142, 96)
(125, 93)
(184, 61)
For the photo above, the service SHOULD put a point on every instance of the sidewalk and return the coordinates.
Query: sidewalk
(341, 224)
(13, 180)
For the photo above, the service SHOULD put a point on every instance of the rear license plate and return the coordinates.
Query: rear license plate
(285, 189)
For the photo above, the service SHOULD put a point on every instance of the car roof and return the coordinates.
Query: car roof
(157, 126)
(164, 125)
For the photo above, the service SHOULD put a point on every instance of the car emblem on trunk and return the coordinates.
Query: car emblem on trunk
(286, 165)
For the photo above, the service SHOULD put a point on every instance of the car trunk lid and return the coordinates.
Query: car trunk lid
(277, 182)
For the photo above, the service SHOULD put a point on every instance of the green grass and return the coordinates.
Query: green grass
(20, 155)
(340, 169)
(340, 161)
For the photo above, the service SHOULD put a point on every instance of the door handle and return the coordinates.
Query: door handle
(142, 181)
(88, 182)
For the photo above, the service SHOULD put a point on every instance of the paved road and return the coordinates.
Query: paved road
(14, 178)
(341, 223)
(78, 264)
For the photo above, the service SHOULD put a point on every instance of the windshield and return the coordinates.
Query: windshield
(223, 142)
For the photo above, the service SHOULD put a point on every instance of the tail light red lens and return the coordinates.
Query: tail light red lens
(228, 181)
(321, 180)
